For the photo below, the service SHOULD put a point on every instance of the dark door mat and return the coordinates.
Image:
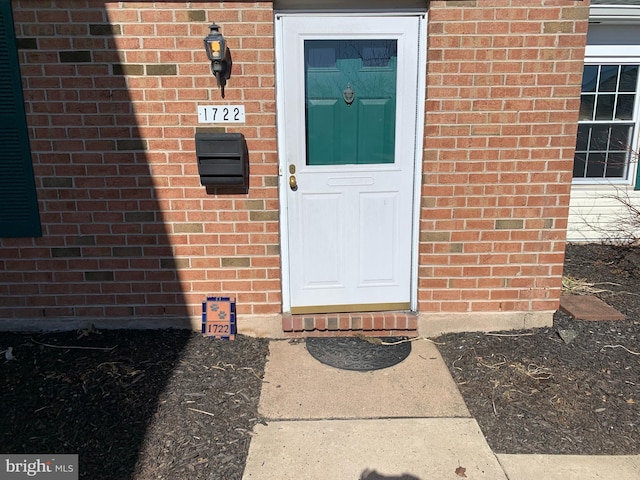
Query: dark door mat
(353, 353)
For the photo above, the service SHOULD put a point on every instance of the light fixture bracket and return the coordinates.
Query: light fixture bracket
(216, 47)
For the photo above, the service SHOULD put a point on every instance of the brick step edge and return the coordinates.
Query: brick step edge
(367, 323)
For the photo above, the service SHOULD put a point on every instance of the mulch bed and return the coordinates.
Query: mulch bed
(535, 392)
(171, 404)
(143, 405)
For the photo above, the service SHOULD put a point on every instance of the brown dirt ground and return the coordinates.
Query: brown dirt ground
(531, 392)
(171, 404)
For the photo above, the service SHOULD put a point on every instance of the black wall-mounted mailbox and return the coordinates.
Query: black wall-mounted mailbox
(223, 159)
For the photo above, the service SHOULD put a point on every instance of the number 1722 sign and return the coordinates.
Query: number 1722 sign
(221, 114)
(219, 317)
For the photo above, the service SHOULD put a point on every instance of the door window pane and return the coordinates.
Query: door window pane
(322, 55)
(378, 53)
(350, 99)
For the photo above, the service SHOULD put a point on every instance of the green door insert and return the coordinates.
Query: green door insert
(350, 90)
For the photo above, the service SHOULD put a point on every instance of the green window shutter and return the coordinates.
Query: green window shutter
(19, 216)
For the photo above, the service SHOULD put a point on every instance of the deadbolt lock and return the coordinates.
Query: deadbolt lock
(293, 183)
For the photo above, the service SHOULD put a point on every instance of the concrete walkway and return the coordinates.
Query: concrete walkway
(407, 422)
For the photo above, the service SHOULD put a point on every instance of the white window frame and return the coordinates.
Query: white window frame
(605, 48)
(632, 168)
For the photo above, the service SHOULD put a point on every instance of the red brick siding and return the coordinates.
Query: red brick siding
(111, 96)
(503, 84)
(370, 324)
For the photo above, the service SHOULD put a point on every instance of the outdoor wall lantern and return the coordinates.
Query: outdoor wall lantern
(218, 53)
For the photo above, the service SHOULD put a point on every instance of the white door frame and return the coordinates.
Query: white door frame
(282, 154)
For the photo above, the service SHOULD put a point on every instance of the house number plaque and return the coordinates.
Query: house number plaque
(219, 317)
(221, 114)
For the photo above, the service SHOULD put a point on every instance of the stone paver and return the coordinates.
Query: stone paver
(588, 307)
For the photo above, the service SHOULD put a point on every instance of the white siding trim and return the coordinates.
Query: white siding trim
(614, 13)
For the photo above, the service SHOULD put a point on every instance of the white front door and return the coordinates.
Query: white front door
(349, 107)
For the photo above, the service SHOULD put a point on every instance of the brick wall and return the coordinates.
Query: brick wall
(503, 88)
(111, 92)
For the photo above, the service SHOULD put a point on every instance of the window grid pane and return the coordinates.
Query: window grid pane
(607, 122)
(602, 151)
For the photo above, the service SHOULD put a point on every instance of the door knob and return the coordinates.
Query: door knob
(293, 184)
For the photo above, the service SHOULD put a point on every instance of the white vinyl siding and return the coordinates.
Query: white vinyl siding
(597, 213)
